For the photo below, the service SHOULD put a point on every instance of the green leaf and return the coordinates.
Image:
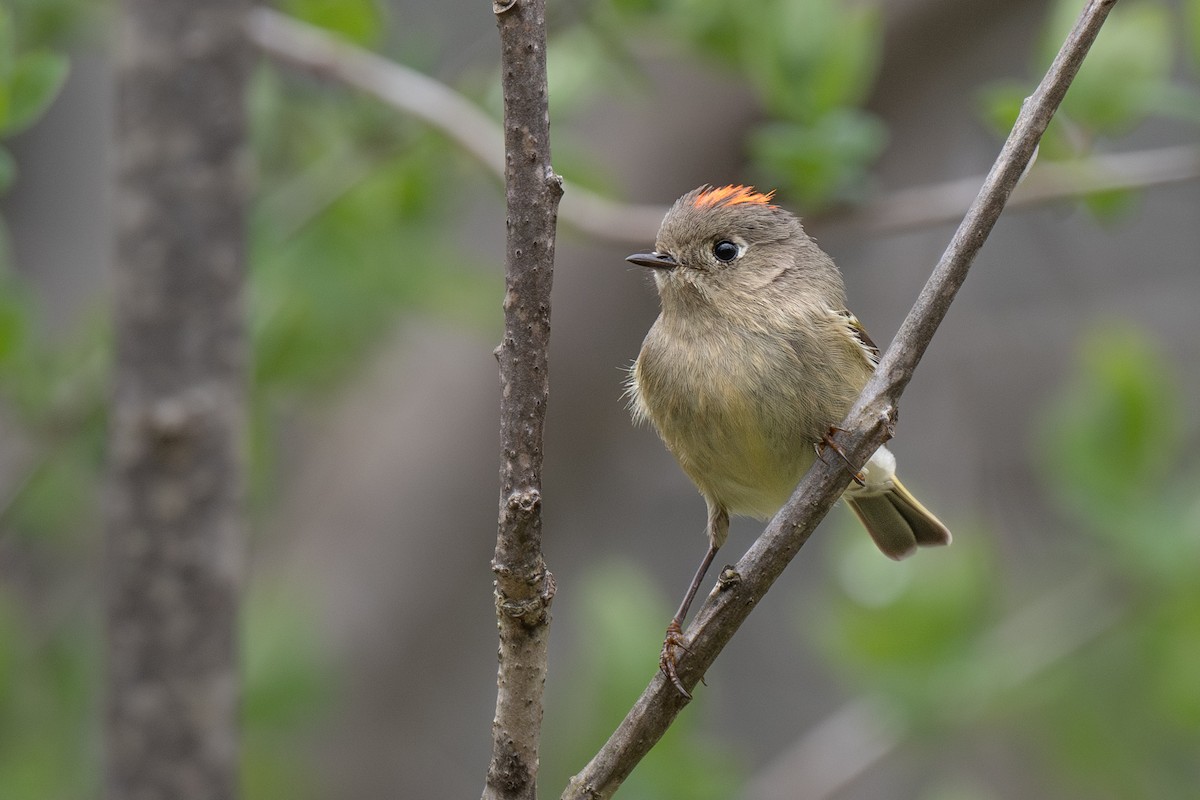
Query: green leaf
(57, 23)
(1191, 13)
(1114, 435)
(821, 163)
(1171, 647)
(811, 57)
(715, 29)
(360, 21)
(575, 60)
(1111, 205)
(910, 629)
(1130, 60)
(13, 321)
(286, 682)
(932, 605)
(8, 44)
(59, 497)
(1000, 104)
(35, 82)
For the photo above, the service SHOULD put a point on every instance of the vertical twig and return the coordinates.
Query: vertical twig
(175, 481)
(524, 587)
(867, 426)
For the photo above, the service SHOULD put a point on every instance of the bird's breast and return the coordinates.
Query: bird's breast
(732, 407)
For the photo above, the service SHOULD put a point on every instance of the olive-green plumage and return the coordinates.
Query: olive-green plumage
(752, 361)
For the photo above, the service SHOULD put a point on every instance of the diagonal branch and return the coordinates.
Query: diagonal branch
(524, 587)
(868, 425)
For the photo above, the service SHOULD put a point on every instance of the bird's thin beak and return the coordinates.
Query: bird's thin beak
(653, 260)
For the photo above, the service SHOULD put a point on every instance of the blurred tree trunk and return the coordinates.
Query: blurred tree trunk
(176, 466)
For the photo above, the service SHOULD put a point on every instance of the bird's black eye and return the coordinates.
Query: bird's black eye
(725, 250)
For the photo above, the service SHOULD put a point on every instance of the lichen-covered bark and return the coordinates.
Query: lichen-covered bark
(176, 472)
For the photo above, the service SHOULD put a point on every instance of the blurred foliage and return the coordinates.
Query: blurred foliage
(350, 228)
(1093, 681)
(353, 225)
(934, 606)
(622, 617)
(1136, 71)
(49, 641)
(356, 222)
(1192, 29)
(360, 21)
(287, 685)
(30, 78)
(57, 23)
(1129, 76)
(48, 685)
(810, 64)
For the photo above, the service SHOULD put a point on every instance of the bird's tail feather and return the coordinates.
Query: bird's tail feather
(897, 521)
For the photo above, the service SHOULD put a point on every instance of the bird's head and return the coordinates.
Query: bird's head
(726, 246)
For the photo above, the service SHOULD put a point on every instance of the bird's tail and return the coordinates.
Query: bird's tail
(897, 521)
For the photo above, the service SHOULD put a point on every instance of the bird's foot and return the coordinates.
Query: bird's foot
(672, 645)
(827, 443)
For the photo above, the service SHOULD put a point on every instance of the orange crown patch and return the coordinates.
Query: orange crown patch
(732, 196)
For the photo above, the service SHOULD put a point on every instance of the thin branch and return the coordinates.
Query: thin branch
(868, 425)
(1047, 182)
(316, 51)
(524, 587)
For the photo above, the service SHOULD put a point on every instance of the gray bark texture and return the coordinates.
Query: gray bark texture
(524, 586)
(174, 535)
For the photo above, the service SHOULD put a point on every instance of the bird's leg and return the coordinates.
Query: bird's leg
(827, 442)
(718, 530)
(673, 642)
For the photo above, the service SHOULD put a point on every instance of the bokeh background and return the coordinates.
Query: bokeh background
(1053, 651)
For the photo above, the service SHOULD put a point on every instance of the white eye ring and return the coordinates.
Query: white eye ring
(724, 250)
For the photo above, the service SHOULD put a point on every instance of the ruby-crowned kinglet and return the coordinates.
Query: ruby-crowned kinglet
(752, 362)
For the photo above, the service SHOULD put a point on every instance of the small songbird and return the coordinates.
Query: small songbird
(752, 362)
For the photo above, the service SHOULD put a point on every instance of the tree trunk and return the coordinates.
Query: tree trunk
(176, 462)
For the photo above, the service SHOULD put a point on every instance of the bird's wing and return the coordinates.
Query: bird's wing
(858, 334)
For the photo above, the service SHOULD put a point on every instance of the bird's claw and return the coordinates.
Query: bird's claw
(672, 644)
(827, 442)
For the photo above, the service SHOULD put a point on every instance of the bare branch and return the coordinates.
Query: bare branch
(524, 587)
(312, 49)
(920, 206)
(868, 425)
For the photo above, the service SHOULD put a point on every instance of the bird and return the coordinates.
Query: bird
(753, 361)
